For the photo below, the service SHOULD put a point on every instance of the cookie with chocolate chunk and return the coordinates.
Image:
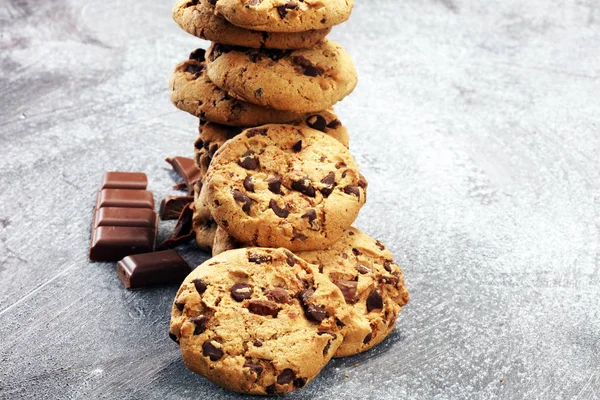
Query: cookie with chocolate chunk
(300, 81)
(198, 18)
(285, 186)
(212, 136)
(203, 224)
(257, 321)
(193, 92)
(285, 15)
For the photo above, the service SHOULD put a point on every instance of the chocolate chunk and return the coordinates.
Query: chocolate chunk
(173, 337)
(311, 215)
(334, 124)
(183, 231)
(180, 306)
(198, 55)
(200, 322)
(262, 307)
(241, 291)
(274, 184)
(380, 245)
(249, 161)
(315, 313)
(180, 186)
(258, 93)
(329, 180)
(271, 389)
(304, 186)
(339, 323)
(112, 243)
(290, 259)
(348, 289)
(171, 207)
(187, 169)
(389, 280)
(356, 252)
(297, 147)
(362, 269)
(298, 236)
(124, 180)
(150, 269)
(306, 67)
(259, 258)
(257, 368)
(218, 50)
(351, 189)
(317, 122)
(362, 182)
(256, 131)
(213, 149)
(249, 183)
(305, 295)
(241, 197)
(194, 68)
(374, 301)
(257, 343)
(283, 10)
(278, 295)
(299, 383)
(387, 265)
(212, 351)
(368, 338)
(200, 285)
(280, 212)
(125, 198)
(119, 216)
(286, 376)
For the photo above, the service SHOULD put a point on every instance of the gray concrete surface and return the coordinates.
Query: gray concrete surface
(477, 124)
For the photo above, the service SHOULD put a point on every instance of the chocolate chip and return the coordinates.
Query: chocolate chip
(387, 265)
(304, 186)
(262, 307)
(259, 258)
(380, 245)
(257, 368)
(339, 323)
(315, 313)
(305, 295)
(299, 382)
(214, 2)
(297, 147)
(317, 122)
(362, 182)
(356, 252)
(173, 338)
(258, 92)
(306, 67)
(368, 338)
(200, 322)
(286, 376)
(249, 183)
(257, 343)
(210, 350)
(311, 215)
(389, 280)
(195, 69)
(329, 180)
(200, 285)
(198, 55)
(362, 269)
(241, 291)
(334, 124)
(298, 236)
(374, 301)
(241, 197)
(180, 306)
(256, 131)
(274, 184)
(280, 212)
(249, 161)
(199, 144)
(351, 189)
(283, 10)
(278, 295)
(290, 259)
(348, 289)
(213, 149)
(271, 389)
(218, 50)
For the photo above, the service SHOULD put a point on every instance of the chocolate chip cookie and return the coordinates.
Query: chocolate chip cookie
(285, 186)
(193, 92)
(198, 17)
(285, 15)
(301, 81)
(203, 224)
(212, 136)
(258, 321)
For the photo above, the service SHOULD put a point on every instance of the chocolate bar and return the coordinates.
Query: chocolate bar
(183, 231)
(187, 169)
(143, 270)
(119, 216)
(172, 206)
(124, 180)
(125, 198)
(112, 243)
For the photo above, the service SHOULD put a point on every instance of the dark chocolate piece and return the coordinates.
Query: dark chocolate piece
(112, 243)
(183, 231)
(124, 180)
(187, 169)
(120, 216)
(142, 270)
(172, 206)
(125, 198)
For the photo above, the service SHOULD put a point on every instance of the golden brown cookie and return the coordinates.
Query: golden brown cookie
(203, 224)
(285, 186)
(193, 92)
(198, 18)
(301, 81)
(258, 321)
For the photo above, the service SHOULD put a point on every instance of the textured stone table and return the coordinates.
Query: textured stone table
(476, 123)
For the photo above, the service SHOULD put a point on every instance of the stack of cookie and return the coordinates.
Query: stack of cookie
(291, 283)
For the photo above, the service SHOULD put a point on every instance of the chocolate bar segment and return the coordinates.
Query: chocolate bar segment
(124, 180)
(112, 243)
(142, 270)
(183, 231)
(187, 169)
(128, 198)
(172, 206)
(119, 216)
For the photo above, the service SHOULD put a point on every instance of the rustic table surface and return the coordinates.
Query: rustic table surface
(476, 123)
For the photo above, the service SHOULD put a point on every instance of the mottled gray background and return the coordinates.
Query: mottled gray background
(477, 124)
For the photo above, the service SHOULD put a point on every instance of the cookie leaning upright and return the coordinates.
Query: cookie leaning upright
(285, 186)
(258, 321)
(302, 81)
